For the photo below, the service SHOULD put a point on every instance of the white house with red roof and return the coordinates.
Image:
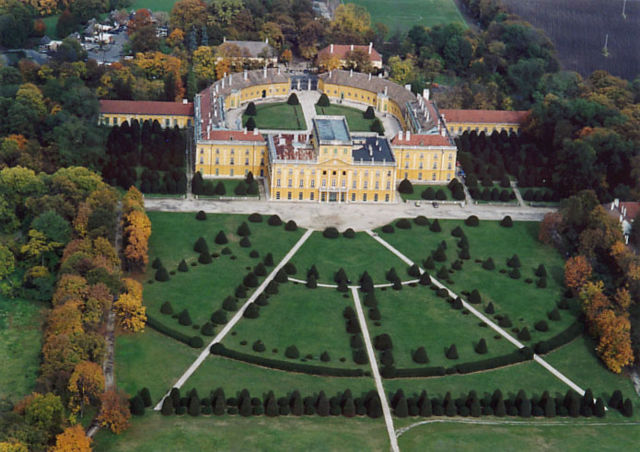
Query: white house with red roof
(342, 53)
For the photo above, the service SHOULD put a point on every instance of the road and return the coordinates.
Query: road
(360, 217)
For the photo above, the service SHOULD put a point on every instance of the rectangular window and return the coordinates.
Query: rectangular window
(333, 182)
(433, 176)
(300, 196)
(301, 183)
(231, 162)
(386, 197)
(419, 176)
(364, 197)
(277, 182)
(311, 196)
(406, 165)
(324, 183)
(366, 185)
(289, 195)
(353, 197)
(231, 172)
(388, 185)
(167, 122)
(217, 171)
(375, 197)
(313, 183)
(344, 183)
(354, 185)
(290, 183)
(246, 162)
(377, 185)
(277, 195)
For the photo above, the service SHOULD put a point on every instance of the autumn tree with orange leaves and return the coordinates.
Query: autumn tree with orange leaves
(85, 385)
(114, 411)
(577, 272)
(137, 229)
(73, 439)
(614, 344)
(129, 310)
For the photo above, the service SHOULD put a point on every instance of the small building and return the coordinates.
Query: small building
(168, 114)
(256, 52)
(625, 213)
(487, 121)
(341, 52)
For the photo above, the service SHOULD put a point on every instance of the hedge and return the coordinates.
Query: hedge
(349, 233)
(193, 341)
(331, 233)
(219, 349)
(255, 218)
(472, 221)
(523, 354)
(438, 371)
(274, 220)
(560, 339)
(201, 215)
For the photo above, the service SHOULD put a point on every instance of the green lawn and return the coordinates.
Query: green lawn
(577, 435)
(279, 116)
(20, 343)
(150, 359)
(403, 14)
(154, 5)
(416, 317)
(229, 187)
(314, 324)
(524, 303)
(354, 117)
(418, 189)
(354, 255)
(154, 433)
(50, 22)
(202, 289)
(234, 376)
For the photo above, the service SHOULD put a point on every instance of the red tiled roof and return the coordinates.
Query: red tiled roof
(232, 135)
(341, 50)
(485, 116)
(421, 140)
(631, 210)
(145, 107)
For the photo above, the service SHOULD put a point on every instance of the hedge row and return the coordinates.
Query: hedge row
(193, 341)
(219, 349)
(517, 356)
(560, 339)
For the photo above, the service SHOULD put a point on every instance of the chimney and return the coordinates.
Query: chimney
(230, 79)
(616, 202)
(370, 47)
(185, 101)
(245, 130)
(278, 70)
(264, 72)
(408, 135)
(611, 206)
(245, 74)
(350, 72)
(386, 90)
(224, 39)
(369, 76)
(352, 47)
(425, 93)
(266, 40)
(255, 131)
(400, 135)
(407, 86)
(331, 51)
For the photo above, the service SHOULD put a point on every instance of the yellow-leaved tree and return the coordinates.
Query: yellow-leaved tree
(129, 310)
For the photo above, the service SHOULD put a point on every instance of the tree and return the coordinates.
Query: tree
(293, 99)
(614, 346)
(377, 126)
(7, 262)
(402, 71)
(85, 385)
(73, 439)
(46, 412)
(54, 227)
(323, 101)
(188, 14)
(16, 22)
(38, 246)
(114, 411)
(405, 187)
(577, 272)
(251, 109)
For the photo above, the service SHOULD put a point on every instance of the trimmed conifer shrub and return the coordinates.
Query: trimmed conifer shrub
(429, 263)
(488, 264)
(428, 194)
(281, 276)
(241, 291)
(166, 308)
(472, 220)
(506, 222)
(414, 271)
(554, 315)
(157, 263)
(207, 329)
(162, 274)
(481, 347)
(167, 407)
(421, 220)
(290, 269)
(221, 238)
(425, 279)
(252, 311)
(272, 288)
(184, 318)
(541, 326)
(274, 220)
(292, 352)
(435, 226)
(391, 275)
(443, 273)
(405, 186)
(366, 283)
(542, 282)
(341, 276)
(474, 297)
(291, 226)
(230, 304)
(514, 273)
(251, 109)
(598, 408)
(323, 101)
(524, 335)
(368, 114)
(183, 267)
(204, 258)
(243, 230)
(293, 99)
(245, 242)
(489, 309)
(452, 352)
(457, 303)
(505, 322)
(401, 409)
(255, 218)
(541, 271)
(136, 405)
(324, 357)
(615, 401)
(420, 356)
(439, 255)
(330, 233)
(359, 356)
(201, 215)
(194, 406)
(514, 261)
(146, 396)
(457, 232)
(382, 342)
(219, 317)
(312, 283)
(403, 223)
(268, 260)
(441, 195)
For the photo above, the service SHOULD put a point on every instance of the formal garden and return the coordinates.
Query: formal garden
(275, 115)
(296, 356)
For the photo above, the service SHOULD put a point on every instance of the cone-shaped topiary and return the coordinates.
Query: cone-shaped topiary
(598, 408)
(505, 322)
(184, 318)
(251, 109)
(146, 397)
(167, 407)
(324, 357)
(183, 267)
(340, 276)
(204, 258)
(481, 347)
(230, 304)
(250, 124)
(489, 309)
(488, 264)
(369, 113)
(414, 271)
(452, 352)
(474, 297)
(274, 220)
(221, 238)
(472, 220)
(514, 273)
(506, 222)
(323, 101)
(219, 317)
(425, 279)
(457, 231)
(439, 255)
(270, 405)
(457, 303)
(292, 352)
(136, 405)
(201, 246)
(166, 308)
(443, 273)
(162, 274)
(615, 401)
(281, 276)
(514, 261)
(252, 311)
(241, 291)
(208, 329)
(420, 356)
(421, 220)
(268, 260)
(524, 335)
(402, 410)
(157, 263)
(260, 270)
(311, 282)
(366, 282)
(201, 215)
(541, 271)
(245, 242)
(435, 226)
(243, 230)
(290, 269)
(382, 342)
(429, 263)
(405, 186)
(293, 99)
